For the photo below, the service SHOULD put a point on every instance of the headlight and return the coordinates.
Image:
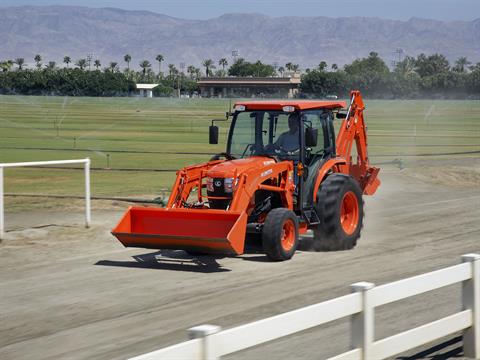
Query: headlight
(230, 184)
(209, 184)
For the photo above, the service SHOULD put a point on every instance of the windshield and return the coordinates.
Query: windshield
(274, 133)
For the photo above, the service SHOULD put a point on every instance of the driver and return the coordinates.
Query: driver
(289, 140)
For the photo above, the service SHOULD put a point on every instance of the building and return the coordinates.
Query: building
(146, 90)
(280, 87)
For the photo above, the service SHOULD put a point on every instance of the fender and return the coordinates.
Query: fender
(323, 172)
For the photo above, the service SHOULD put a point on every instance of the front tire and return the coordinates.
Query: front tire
(280, 234)
(340, 209)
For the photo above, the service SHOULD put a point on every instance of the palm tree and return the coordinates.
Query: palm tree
(289, 66)
(334, 67)
(97, 64)
(67, 60)
(38, 60)
(281, 70)
(461, 64)
(295, 68)
(113, 66)
(172, 70)
(19, 62)
(191, 71)
(51, 65)
(322, 66)
(208, 63)
(159, 58)
(127, 58)
(198, 73)
(223, 62)
(145, 64)
(82, 63)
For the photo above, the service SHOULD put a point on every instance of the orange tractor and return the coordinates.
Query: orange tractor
(282, 174)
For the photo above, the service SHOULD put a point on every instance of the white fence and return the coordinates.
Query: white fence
(209, 342)
(86, 163)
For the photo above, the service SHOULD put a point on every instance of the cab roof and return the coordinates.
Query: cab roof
(297, 104)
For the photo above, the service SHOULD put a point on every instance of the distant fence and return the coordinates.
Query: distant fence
(86, 163)
(209, 342)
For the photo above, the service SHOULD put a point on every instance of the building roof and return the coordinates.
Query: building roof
(146, 86)
(249, 80)
(298, 104)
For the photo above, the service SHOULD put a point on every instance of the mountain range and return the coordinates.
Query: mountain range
(110, 33)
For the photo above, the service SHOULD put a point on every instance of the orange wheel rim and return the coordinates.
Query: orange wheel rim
(349, 213)
(288, 235)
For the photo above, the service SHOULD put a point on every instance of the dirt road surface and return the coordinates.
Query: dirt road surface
(76, 293)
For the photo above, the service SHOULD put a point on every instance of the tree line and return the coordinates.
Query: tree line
(430, 76)
(423, 76)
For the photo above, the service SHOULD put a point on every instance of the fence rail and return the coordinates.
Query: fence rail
(86, 163)
(210, 342)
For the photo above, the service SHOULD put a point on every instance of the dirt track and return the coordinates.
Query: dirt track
(69, 292)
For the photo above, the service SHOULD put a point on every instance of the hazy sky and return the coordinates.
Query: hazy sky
(204, 9)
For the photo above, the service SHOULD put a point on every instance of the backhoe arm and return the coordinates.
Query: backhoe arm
(354, 131)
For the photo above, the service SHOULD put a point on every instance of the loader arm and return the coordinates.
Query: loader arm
(354, 131)
(254, 179)
(187, 179)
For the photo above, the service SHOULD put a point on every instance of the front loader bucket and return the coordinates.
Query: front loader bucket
(203, 230)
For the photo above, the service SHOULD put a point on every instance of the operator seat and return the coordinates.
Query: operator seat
(313, 169)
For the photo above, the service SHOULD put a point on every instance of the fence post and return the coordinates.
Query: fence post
(88, 215)
(471, 301)
(203, 332)
(362, 324)
(2, 208)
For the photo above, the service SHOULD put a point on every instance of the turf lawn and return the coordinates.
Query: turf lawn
(166, 134)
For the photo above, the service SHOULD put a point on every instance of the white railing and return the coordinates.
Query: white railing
(209, 342)
(86, 163)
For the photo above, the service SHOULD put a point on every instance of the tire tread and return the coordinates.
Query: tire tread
(328, 236)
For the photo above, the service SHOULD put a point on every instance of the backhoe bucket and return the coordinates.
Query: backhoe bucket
(203, 230)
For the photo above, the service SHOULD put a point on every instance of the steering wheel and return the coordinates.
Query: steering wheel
(223, 154)
(251, 146)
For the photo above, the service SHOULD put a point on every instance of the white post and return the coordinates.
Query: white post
(362, 324)
(2, 218)
(471, 301)
(203, 332)
(88, 216)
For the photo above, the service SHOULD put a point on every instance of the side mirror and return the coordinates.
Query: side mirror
(311, 137)
(213, 134)
(341, 115)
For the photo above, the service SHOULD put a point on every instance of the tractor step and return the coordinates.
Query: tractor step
(311, 217)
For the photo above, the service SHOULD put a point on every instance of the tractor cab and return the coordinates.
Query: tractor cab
(300, 132)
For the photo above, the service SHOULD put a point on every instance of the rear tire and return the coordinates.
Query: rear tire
(340, 209)
(280, 234)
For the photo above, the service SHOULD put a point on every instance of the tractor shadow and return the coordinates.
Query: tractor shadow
(174, 260)
(179, 260)
(306, 243)
(254, 251)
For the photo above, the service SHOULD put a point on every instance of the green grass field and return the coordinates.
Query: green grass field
(135, 133)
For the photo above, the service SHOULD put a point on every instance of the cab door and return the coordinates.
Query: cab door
(315, 156)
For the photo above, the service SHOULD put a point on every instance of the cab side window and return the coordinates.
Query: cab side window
(317, 120)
